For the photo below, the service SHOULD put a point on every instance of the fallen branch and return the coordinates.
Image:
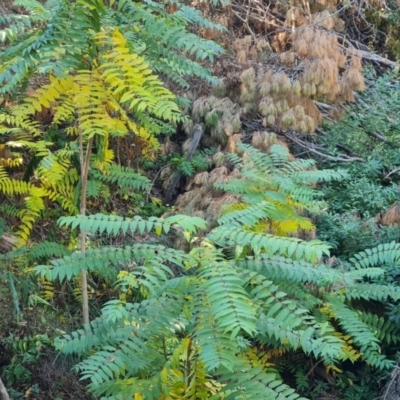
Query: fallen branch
(391, 173)
(7, 242)
(309, 147)
(346, 149)
(378, 136)
(366, 55)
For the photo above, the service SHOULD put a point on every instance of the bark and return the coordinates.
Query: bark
(391, 391)
(84, 161)
(3, 392)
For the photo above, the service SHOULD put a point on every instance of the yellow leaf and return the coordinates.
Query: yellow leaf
(156, 201)
(186, 235)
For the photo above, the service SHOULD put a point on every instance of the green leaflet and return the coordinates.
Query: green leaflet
(202, 308)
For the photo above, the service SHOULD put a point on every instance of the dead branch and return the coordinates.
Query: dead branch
(313, 149)
(391, 173)
(323, 105)
(7, 243)
(378, 136)
(347, 150)
(366, 55)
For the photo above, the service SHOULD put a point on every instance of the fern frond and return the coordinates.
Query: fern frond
(274, 189)
(13, 26)
(8, 209)
(228, 300)
(284, 321)
(18, 121)
(99, 260)
(64, 194)
(134, 85)
(309, 177)
(123, 177)
(13, 186)
(372, 291)
(360, 333)
(248, 216)
(384, 254)
(46, 290)
(216, 348)
(247, 382)
(166, 38)
(34, 205)
(383, 329)
(46, 250)
(33, 201)
(111, 224)
(35, 9)
(270, 244)
(275, 268)
(124, 348)
(53, 169)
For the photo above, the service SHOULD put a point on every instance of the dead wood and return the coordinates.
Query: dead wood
(197, 134)
(391, 391)
(7, 243)
(313, 148)
(366, 55)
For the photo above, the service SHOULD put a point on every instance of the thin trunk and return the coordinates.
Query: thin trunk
(3, 392)
(84, 175)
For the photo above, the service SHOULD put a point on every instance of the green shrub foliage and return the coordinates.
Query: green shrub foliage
(212, 323)
(55, 38)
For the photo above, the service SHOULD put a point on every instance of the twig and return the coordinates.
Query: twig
(312, 368)
(246, 24)
(329, 16)
(391, 172)
(152, 183)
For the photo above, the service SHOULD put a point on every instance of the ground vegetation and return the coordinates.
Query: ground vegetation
(199, 200)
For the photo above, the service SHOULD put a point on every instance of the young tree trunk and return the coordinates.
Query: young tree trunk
(3, 392)
(84, 161)
(391, 391)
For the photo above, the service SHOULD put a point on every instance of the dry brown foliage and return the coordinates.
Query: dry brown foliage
(221, 117)
(391, 216)
(201, 198)
(291, 58)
